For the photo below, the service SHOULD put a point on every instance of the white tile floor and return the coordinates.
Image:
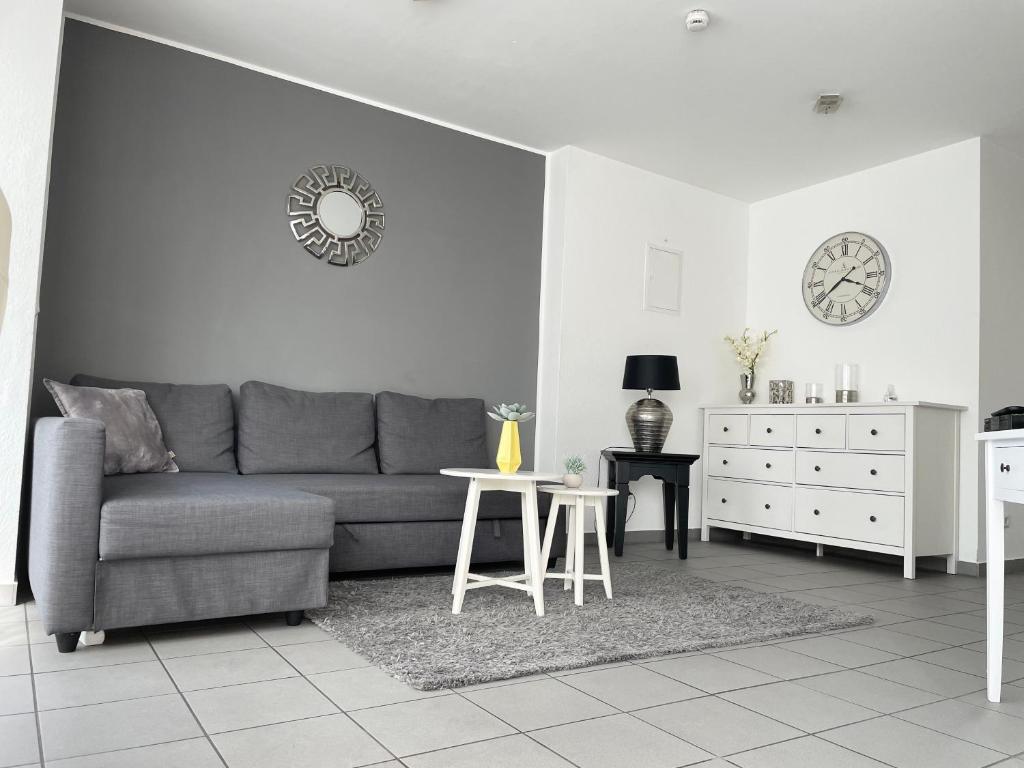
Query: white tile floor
(905, 692)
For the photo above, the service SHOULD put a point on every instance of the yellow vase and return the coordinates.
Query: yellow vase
(509, 457)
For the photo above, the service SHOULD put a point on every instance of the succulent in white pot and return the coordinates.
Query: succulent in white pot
(574, 469)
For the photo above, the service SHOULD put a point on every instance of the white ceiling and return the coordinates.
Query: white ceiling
(728, 109)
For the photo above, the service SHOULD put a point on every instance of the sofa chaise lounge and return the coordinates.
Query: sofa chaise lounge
(257, 516)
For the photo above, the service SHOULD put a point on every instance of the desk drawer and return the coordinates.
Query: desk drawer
(821, 430)
(869, 432)
(1010, 469)
(769, 506)
(770, 429)
(845, 515)
(727, 428)
(870, 471)
(750, 464)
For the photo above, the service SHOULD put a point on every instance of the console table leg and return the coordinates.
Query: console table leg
(682, 494)
(668, 492)
(621, 501)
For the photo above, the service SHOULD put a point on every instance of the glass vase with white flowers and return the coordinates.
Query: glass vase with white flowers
(748, 349)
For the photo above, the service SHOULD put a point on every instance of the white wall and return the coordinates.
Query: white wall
(1002, 275)
(925, 336)
(601, 215)
(30, 36)
(5, 254)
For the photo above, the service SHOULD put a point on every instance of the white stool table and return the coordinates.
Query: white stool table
(525, 484)
(576, 500)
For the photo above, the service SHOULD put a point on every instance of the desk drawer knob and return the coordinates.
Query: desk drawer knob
(817, 430)
(767, 465)
(817, 511)
(1004, 467)
(767, 506)
(874, 471)
(769, 430)
(873, 519)
(874, 432)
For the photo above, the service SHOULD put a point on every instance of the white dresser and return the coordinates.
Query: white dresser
(871, 476)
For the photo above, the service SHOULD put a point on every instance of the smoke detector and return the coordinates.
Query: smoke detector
(697, 20)
(827, 103)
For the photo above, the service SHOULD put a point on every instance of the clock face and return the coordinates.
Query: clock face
(846, 278)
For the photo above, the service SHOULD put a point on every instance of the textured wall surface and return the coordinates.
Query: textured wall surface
(169, 256)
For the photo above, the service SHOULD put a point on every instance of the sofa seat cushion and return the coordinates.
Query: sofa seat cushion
(198, 420)
(396, 498)
(195, 513)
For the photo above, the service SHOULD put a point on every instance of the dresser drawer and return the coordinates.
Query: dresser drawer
(821, 430)
(769, 506)
(870, 471)
(1010, 462)
(867, 432)
(750, 464)
(727, 428)
(845, 515)
(771, 429)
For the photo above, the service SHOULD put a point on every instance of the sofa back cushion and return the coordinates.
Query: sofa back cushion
(197, 420)
(286, 430)
(420, 436)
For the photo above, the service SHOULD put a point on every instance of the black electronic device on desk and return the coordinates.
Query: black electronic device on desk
(1010, 417)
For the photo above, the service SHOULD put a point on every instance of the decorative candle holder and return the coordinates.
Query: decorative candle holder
(780, 391)
(847, 375)
(814, 393)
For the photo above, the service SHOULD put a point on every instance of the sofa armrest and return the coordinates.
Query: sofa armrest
(67, 491)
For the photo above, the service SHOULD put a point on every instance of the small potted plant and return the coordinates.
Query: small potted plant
(509, 458)
(748, 351)
(574, 469)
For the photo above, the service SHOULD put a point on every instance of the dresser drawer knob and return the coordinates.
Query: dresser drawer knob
(767, 465)
(725, 461)
(767, 506)
(723, 501)
(1004, 467)
(873, 519)
(725, 429)
(817, 468)
(874, 471)
(769, 430)
(817, 430)
(817, 511)
(874, 432)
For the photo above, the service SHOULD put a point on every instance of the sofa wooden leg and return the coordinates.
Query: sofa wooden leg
(67, 641)
(294, 618)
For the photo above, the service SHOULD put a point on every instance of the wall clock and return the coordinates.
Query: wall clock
(846, 278)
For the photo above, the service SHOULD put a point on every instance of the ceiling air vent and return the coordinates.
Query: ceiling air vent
(827, 103)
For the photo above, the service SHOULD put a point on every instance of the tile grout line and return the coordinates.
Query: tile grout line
(318, 690)
(35, 697)
(188, 704)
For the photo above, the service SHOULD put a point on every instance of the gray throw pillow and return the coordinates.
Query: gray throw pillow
(416, 435)
(134, 440)
(283, 430)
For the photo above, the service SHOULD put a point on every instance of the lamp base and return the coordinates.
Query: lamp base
(649, 421)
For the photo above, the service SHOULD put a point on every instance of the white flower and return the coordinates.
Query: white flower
(748, 350)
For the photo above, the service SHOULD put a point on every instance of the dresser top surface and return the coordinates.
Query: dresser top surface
(1016, 435)
(740, 408)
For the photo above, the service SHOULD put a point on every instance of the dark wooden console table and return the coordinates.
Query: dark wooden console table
(673, 469)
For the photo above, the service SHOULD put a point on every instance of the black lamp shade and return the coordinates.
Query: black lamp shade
(651, 372)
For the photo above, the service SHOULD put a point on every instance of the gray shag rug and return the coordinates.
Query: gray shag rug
(404, 624)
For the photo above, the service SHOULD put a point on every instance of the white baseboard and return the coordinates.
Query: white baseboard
(9, 594)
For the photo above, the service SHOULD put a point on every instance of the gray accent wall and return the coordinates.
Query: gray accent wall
(168, 254)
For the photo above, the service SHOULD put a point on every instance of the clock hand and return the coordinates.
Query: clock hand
(838, 283)
(855, 282)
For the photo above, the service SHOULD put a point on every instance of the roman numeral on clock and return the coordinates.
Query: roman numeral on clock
(867, 291)
(845, 249)
(871, 274)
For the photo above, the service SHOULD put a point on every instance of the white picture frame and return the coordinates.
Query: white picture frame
(663, 279)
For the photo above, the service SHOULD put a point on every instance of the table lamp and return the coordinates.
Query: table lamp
(648, 418)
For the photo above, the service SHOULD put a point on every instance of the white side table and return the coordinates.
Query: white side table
(576, 501)
(1004, 481)
(525, 484)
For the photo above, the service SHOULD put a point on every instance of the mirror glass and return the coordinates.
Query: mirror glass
(340, 213)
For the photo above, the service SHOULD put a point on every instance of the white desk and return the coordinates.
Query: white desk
(1004, 481)
(525, 484)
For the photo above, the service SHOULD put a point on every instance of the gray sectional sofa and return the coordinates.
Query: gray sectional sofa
(257, 515)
